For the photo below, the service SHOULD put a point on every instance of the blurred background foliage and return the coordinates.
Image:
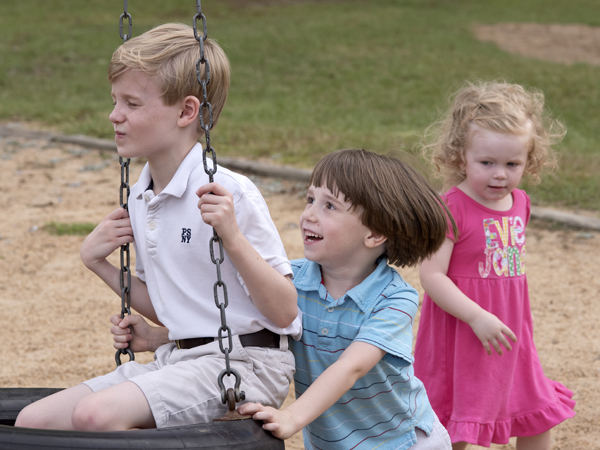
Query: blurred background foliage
(310, 77)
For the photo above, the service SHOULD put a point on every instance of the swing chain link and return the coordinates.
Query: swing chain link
(125, 274)
(206, 107)
(125, 37)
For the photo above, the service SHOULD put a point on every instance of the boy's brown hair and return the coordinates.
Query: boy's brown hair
(393, 200)
(169, 54)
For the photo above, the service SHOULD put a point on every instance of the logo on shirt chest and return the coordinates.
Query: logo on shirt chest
(186, 235)
(504, 247)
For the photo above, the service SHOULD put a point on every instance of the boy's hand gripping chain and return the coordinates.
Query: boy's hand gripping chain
(228, 396)
(125, 278)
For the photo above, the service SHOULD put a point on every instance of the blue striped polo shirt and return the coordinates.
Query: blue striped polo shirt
(383, 407)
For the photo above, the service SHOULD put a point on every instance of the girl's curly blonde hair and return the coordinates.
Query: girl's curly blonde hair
(495, 106)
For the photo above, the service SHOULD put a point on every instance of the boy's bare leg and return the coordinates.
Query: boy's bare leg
(53, 412)
(539, 442)
(120, 407)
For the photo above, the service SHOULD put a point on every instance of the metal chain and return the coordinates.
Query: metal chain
(125, 275)
(205, 106)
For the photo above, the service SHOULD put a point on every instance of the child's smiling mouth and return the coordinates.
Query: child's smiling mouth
(312, 237)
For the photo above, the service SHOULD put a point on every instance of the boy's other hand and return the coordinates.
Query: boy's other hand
(142, 337)
(216, 207)
(278, 421)
(114, 231)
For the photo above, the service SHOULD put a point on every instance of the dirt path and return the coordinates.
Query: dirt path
(560, 43)
(55, 313)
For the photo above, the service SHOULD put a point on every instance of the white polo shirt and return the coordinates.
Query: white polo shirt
(173, 253)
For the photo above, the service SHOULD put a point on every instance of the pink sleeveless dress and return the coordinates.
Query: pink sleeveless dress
(483, 399)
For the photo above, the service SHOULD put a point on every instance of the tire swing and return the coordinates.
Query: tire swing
(230, 432)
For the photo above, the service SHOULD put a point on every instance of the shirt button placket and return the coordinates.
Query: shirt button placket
(152, 225)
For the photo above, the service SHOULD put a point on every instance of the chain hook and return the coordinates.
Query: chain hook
(238, 395)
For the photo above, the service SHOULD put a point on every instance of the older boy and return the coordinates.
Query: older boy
(156, 105)
(355, 383)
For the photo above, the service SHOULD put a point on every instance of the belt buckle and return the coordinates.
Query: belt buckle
(178, 344)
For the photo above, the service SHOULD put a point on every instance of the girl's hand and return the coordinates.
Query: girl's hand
(217, 210)
(489, 329)
(114, 231)
(278, 421)
(142, 337)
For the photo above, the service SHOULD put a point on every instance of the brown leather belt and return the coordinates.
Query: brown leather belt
(262, 338)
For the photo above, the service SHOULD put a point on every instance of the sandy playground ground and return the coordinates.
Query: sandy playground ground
(54, 320)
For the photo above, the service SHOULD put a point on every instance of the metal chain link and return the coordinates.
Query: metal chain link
(125, 275)
(205, 106)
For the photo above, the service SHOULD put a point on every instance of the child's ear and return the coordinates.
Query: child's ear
(190, 106)
(374, 240)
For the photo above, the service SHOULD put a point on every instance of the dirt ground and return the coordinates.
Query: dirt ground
(55, 313)
(567, 44)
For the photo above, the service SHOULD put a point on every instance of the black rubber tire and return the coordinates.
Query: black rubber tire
(239, 434)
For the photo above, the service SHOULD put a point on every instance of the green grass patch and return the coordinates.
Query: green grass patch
(69, 229)
(311, 77)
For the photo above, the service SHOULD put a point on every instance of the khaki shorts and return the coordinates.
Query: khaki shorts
(437, 440)
(182, 388)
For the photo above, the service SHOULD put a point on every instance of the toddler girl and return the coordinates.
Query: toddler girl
(474, 351)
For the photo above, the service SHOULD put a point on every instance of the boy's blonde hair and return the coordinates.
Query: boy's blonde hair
(393, 200)
(169, 53)
(494, 106)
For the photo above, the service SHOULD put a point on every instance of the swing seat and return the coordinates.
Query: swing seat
(239, 434)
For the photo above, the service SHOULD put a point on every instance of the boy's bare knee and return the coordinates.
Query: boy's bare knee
(92, 414)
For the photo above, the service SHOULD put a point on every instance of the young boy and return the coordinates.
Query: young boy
(156, 104)
(354, 379)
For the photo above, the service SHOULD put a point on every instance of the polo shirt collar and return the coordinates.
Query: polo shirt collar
(178, 184)
(309, 278)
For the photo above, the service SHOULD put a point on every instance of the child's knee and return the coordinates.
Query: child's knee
(92, 414)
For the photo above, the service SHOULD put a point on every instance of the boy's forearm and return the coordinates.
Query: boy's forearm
(320, 396)
(107, 273)
(273, 294)
(334, 382)
(140, 300)
(159, 336)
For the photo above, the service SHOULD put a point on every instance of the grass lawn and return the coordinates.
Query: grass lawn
(311, 77)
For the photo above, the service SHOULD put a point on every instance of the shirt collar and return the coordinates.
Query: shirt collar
(178, 184)
(309, 278)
